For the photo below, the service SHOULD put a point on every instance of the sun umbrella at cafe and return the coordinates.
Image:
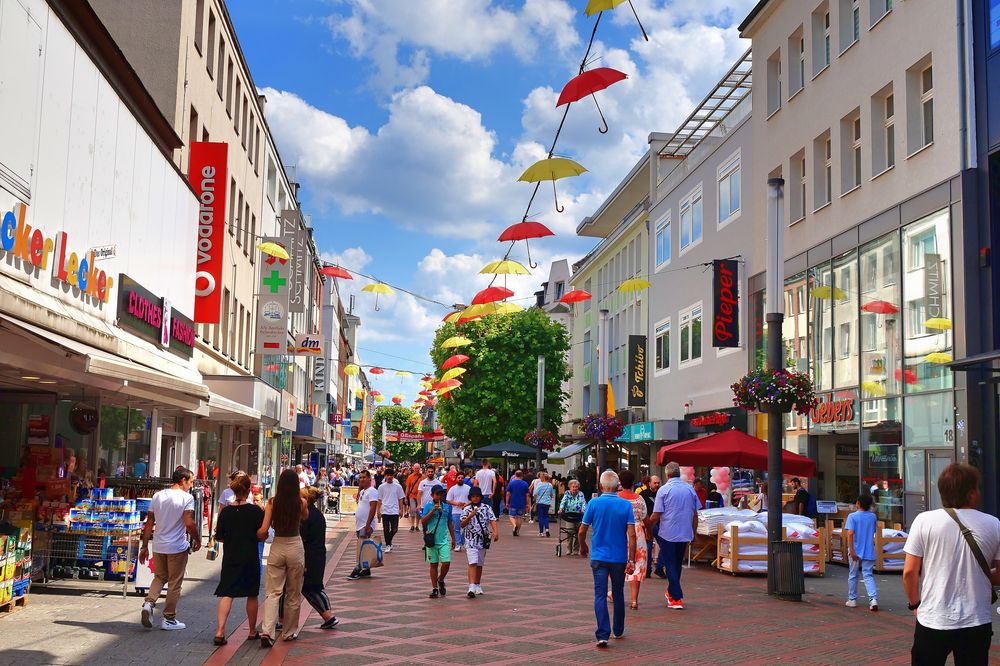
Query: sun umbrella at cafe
(576, 296)
(552, 168)
(457, 359)
(588, 83)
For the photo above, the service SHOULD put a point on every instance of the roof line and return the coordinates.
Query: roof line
(758, 8)
(633, 172)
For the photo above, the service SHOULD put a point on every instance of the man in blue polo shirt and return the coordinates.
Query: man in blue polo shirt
(675, 515)
(612, 553)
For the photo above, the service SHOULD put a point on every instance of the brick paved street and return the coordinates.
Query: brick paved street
(538, 609)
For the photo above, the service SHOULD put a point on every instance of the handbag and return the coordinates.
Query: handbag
(976, 551)
(430, 537)
(212, 549)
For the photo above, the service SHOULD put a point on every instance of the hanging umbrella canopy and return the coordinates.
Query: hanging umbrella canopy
(504, 267)
(732, 448)
(938, 323)
(396, 400)
(588, 83)
(452, 317)
(335, 272)
(507, 308)
(427, 392)
(524, 231)
(351, 369)
(375, 393)
(595, 6)
(576, 296)
(377, 371)
(634, 284)
(908, 377)
(451, 374)
(379, 398)
(457, 359)
(552, 168)
(379, 288)
(825, 291)
(880, 307)
(402, 373)
(456, 341)
(873, 389)
(447, 384)
(359, 393)
(508, 449)
(492, 295)
(273, 250)
(939, 358)
(444, 391)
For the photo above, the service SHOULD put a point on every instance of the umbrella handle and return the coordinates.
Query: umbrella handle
(559, 209)
(605, 128)
(376, 303)
(527, 247)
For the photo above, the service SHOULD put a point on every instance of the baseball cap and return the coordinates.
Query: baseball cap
(475, 492)
(438, 488)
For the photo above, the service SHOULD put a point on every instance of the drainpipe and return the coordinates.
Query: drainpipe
(966, 86)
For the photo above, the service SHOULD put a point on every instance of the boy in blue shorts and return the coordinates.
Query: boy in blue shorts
(439, 539)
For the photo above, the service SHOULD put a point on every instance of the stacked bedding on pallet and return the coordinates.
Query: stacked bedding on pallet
(797, 528)
(894, 556)
(710, 519)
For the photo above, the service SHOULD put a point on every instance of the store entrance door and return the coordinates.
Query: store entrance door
(168, 445)
(937, 460)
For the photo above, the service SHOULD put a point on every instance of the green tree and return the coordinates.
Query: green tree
(397, 419)
(497, 398)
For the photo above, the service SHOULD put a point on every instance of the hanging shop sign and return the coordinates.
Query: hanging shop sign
(293, 238)
(272, 304)
(933, 299)
(289, 411)
(149, 316)
(208, 177)
(726, 303)
(34, 251)
(637, 371)
(307, 344)
(637, 432)
(835, 411)
(708, 420)
(697, 423)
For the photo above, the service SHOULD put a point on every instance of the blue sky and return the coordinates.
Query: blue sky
(407, 122)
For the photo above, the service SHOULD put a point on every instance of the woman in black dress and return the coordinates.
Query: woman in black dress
(236, 529)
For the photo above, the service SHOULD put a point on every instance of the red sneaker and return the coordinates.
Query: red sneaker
(675, 604)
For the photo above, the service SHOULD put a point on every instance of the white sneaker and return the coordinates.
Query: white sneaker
(851, 603)
(147, 615)
(479, 589)
(387, 549)
(458, 548)
(873, 605)
(172, 625)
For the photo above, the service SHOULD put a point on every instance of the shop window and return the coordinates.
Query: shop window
(820, 322)
(881, 317)
(881, 457)
(690, 327)
(662, 337)
(930, 421)
(928, 345)
(209, 448)
(793, 328)
(124, 443)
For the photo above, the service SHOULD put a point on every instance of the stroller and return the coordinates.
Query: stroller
(569, 528)
(333, 500)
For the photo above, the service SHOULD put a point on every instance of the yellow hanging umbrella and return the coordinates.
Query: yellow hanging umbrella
(634, 284)
(938, 323)
(508, 308)
(552, 169)
(938, 357)
(351, 369)
(359, 393)
(448, 389)
(379, 398)
(505, 267)
(455, 341)
(874, 389)
(453, 317)
(595, 6)
(378, 288)
(273, 250)
(825, 291)
(402, 373)
(451, 374)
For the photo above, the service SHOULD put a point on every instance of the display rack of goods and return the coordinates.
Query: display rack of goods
(889, 542)
(742, 545)
(15, 564)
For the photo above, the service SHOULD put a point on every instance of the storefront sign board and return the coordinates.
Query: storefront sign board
(289, 411)
(349, 498)
(637, 371)
(272, 305)
(835, 411)
(637, 432)
(149, 316)
(726, 303)
(307, 344)
(208, 177)
(294, 240)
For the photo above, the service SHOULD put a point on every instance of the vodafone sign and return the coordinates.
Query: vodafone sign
(207, 175)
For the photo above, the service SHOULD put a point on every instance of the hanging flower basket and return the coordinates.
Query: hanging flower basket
(773, 391)
(544, 438)
(608, 428)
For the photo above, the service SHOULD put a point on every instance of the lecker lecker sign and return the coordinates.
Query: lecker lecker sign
(637, 371)
(726, 303)
(208, 177)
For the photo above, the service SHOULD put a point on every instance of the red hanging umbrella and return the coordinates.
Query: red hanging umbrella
(377, 371)
(908, 377)
(465, 320)
(492, 295)
(524, 231)
(732, 448)
(425, 378)
(397, 400)
(373, 392)
(457, 359)
(880, 307)
(447, 384)
(576, 296)
(335, 272)
(588, 83)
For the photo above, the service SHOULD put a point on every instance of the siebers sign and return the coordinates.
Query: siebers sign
(208, 177)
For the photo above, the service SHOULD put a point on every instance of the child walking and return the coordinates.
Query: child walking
(439, 539)
(479, 525)
(859, 535)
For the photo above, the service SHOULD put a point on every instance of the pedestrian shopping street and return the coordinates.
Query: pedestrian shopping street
(537, 609)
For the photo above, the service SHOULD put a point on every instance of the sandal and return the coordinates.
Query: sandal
(635, 606)
(266, 641)
(253, 637)
(219, 640)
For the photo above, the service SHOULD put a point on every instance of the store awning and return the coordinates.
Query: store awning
(569, 451)
(310, 428)
(983, 362)
(732, 448)
(507, 449)
(253, 394)
(224, 410)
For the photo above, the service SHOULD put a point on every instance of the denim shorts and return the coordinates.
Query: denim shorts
(515, 513)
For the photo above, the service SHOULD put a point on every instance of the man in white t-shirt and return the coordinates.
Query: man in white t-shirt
(458, 499)
(426, 485)
(391, 504)
(946, 587)
(172, 513)
(486, 478)
(364, 519)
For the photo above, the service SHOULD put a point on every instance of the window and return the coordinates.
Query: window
(845, 340)
(238, 352)
(233, 209)
(774, 82)
(856, 151)
(225, 321)
(820, 37)
(246, 343)
(994, 24)
(796, 62)
(560, 290)
(850, 151)
(199, 23)
(927, 106)
(690, 321)
(192, 130)
(889, 255)
(801, 293)
(256, 150)
(826, 39)
(239, 108)
(243, 121)
(253, 235)
(219, 80)
(250, 133)
(663, 241)
(691, 219)
(869, 328)
(662, 338)
(879, 8)
(856, 19)
(729, 190)
(802, 187)
(869, 273)
(229, 87)
(797, 187)
(246, 226)
(822, 170)
(587, 287)
(919, 106)
(883, 116)
(890, 130)
(850, 23)
(210, 61)
(239, 219)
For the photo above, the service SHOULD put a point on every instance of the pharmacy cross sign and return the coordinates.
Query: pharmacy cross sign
(274, 281)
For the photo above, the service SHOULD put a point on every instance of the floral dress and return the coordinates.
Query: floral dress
(639, 511)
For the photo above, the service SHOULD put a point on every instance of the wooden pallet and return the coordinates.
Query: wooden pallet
(729, 546)
(15, 604)
(838, 552)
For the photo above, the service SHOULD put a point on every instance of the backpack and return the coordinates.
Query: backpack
(811, 506)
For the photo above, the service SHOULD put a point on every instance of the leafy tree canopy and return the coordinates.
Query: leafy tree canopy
(496, 401)
(397, 419)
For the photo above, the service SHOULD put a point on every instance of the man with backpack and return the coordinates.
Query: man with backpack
(803, 503)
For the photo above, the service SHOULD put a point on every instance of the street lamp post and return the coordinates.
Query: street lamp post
(602, 390)
(540, 407)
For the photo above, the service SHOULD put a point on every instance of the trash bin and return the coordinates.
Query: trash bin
(785, 578)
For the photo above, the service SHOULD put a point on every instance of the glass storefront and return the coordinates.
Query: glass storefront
(124, 445)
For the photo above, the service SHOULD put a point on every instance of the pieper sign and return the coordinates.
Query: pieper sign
(726, 305)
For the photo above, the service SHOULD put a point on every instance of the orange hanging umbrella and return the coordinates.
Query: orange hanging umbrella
(491, 295)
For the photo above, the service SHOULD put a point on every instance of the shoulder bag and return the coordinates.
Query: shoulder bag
(430, 536)
(976, 551)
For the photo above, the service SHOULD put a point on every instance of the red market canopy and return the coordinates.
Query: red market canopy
(732, 448)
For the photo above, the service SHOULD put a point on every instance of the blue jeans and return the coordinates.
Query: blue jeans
(456, 521)
(649, 559)
(543, 518)
(672, 554)
(601, 571)
(864, 567)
